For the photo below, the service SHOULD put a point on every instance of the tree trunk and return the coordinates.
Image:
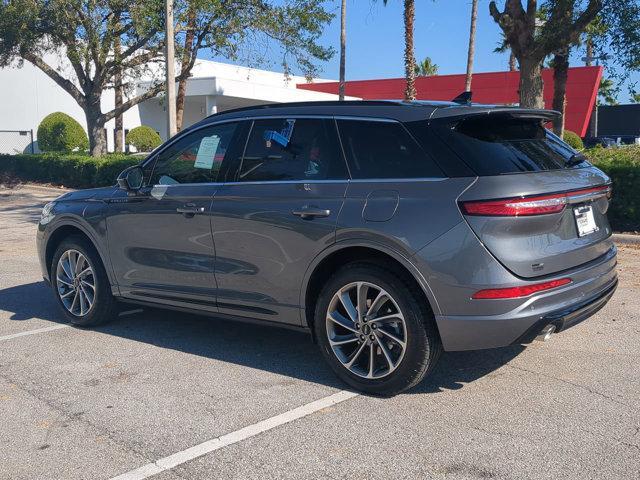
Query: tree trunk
(343, 48)
(118, 140)
(118, 134)
(185, 63)
(512, 62)
(95, 125)
(589, 62)
(472, 45)
(560, 73)
(409, 56)
(531, 84)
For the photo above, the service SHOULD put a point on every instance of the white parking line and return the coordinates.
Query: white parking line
(34, 332)
(209, 446)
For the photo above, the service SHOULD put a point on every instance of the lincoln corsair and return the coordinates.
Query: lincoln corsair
(390, 231)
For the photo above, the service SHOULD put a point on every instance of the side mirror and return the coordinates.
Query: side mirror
(131, 178)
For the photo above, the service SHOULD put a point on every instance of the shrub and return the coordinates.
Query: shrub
(573, 139)
(68, 169)
(623, 166)
(144, 138)
(58, 132)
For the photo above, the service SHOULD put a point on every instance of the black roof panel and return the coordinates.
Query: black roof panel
(392, 109)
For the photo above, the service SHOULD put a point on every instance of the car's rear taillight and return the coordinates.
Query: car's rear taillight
(517, 292)
(525, 206)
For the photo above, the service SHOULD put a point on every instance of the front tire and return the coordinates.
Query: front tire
(80, 283)
(375, 329)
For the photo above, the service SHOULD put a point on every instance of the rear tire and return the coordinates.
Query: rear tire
(80, 283)
(380, 357)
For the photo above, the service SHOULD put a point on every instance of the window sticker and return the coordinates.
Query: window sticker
(206, 152)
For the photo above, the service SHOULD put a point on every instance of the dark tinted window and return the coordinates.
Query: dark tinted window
(194, 158)
(499, 145)
(450, 163)
(377, 149)
(292, 149)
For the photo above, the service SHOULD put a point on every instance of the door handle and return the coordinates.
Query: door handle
(311, 212)
(189, 210)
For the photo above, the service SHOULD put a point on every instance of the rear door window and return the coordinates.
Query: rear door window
(292, 149)
(381, 149)
(504, 144)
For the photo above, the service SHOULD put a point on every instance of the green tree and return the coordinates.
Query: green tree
(594, 31)
(607, 92)
(426, 68)
(532, 41)
(226, 27)
(83, 31)
(113, 43)
(504, 47)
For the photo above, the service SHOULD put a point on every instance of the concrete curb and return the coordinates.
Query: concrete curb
(626, 239)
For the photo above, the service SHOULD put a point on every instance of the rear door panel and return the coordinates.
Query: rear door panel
(263, 249)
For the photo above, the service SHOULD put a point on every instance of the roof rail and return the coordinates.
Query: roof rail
(322, 103)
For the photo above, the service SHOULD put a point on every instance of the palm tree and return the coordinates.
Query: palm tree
(343, 47)
(607, 91)
(502, 47)
(426, 68)
(472, 45)
(409, 58)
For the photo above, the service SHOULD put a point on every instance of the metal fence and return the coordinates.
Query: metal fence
(17, 141)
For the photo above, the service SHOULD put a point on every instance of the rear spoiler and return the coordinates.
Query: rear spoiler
(474, 110)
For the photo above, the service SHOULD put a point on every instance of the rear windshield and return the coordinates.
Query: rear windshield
(502, 145)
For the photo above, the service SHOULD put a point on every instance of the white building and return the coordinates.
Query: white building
(27, 95)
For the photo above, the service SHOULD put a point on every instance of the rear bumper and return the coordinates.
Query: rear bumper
(564, 307)
(568, 318)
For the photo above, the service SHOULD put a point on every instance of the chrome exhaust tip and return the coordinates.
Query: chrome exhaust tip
(545, 333)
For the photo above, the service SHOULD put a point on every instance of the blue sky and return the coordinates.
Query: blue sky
(375, 39)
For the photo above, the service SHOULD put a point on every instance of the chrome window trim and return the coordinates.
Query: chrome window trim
(188, 131)
(253, 118)
(285, 182)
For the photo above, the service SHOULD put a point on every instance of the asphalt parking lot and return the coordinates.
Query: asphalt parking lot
(180, 396)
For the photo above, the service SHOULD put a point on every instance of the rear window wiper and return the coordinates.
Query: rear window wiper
(575, 159)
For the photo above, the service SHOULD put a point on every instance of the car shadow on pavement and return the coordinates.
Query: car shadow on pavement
(277, 350)
(22, 207)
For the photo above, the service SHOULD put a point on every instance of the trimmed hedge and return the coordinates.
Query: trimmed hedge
(71, 169)
(573, 139)
(144, 138)
(58, 132)
(623, 166)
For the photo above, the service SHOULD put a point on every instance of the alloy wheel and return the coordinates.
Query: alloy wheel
(366, 330)
(76, 283)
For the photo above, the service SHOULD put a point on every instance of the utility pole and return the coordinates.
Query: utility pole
(343, 43)
(170, 74)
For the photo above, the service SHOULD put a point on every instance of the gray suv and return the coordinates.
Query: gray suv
(390, 231)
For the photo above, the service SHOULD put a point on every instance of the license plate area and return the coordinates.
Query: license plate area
(585, 221)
